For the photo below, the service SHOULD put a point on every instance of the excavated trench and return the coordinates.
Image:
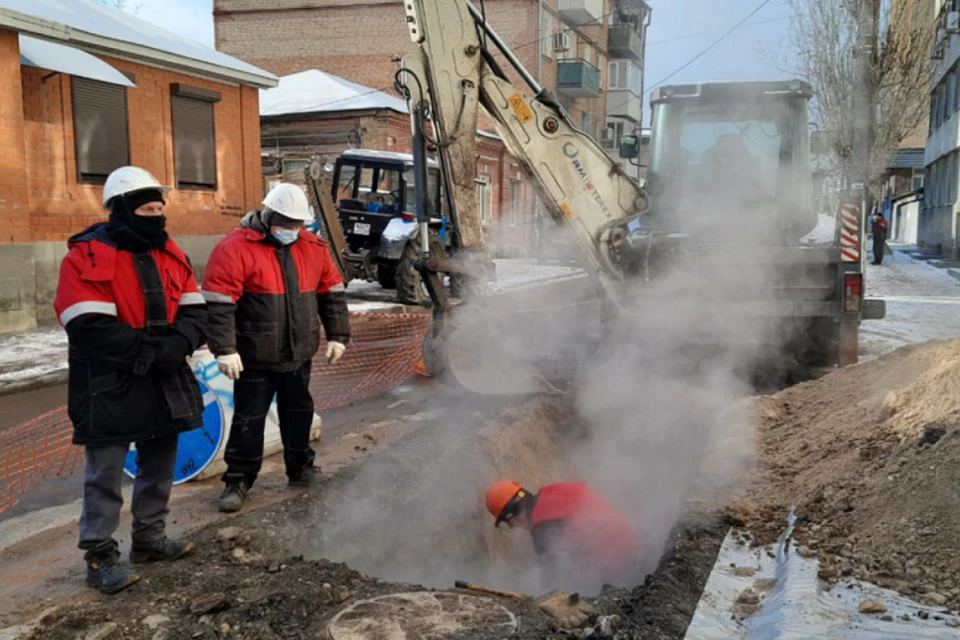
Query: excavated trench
(415, 515)
(350, 560)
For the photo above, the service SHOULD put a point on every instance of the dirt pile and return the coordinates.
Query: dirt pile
(870, 456)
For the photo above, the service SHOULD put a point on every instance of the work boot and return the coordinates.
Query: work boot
(233, 496)
(306, 478)
(161, 549)
(106, 573)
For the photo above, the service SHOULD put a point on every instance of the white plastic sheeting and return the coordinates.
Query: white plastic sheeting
(63, 59)
(314, 91)
(800, 606)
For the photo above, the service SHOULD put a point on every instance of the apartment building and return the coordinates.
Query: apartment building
(938, 229)
(626, 45)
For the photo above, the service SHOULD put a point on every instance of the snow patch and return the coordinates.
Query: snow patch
(824, 232)
(31, 355)
(314, 91)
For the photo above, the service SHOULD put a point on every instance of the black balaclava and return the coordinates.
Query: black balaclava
(139, 232)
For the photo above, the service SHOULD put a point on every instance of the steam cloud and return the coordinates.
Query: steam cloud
(650, 416)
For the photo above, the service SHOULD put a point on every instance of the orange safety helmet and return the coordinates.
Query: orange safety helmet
(503, 498)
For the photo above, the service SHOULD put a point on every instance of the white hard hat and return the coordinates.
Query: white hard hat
(290, 201)
(127, 180)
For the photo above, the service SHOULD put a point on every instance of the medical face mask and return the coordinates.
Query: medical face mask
(286, 236)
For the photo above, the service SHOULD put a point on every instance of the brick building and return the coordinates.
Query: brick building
(84, 89)
(563, 43)
(313, 113)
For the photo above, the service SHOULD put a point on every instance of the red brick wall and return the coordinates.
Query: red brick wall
(59, 205)
(14, 223)
(358, 40)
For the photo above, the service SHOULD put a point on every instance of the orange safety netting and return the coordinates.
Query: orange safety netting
(384, 351)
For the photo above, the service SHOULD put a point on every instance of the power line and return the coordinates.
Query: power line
(694, 58)
(711, 45)
(706, 33)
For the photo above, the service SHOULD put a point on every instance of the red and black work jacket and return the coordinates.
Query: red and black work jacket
(879, 229)
(576, 531)
(115, 305)
(267, 300)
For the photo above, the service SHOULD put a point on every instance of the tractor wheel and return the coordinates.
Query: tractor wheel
(387, 275)
(410, 287)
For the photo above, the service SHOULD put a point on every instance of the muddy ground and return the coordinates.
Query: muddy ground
(249, 578)
(237, 585)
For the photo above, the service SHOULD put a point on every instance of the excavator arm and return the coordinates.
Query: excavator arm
(457, 71)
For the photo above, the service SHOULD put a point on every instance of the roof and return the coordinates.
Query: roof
(384, 156)
(44, 54)
(908, 158)
(314, 91)
(93, 27)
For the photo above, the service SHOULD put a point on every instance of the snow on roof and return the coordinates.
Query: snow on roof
(314, 91)
(63, 59)
(388, 156)
(91, 26)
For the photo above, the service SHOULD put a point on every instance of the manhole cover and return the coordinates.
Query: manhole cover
(420, 616)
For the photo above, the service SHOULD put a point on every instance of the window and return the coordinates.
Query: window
(99, 128)
(611, 141)
(194, 136)
(574, 43)
(952, 177)
(601, 63)
(952, 93)
(514, 202)
(625, 76)
(588, 53)
(585, 122)
(918, 179)
(546, 35)
(483, 198)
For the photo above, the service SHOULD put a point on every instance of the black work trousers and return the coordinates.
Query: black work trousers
(878, 248)
(252, 396)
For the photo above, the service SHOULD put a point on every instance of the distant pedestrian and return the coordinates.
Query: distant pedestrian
(128, 299)
(879, 231)
(270, 283)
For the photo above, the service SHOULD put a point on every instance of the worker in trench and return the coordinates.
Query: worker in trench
(579, 537)
(128, 299)
(269, 285)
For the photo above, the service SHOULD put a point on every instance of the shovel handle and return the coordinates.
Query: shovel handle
(460, 584)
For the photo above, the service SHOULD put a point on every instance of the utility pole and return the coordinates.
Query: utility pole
(864, 105)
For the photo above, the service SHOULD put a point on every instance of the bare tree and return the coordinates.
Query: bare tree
(125, 5)
(824, 39)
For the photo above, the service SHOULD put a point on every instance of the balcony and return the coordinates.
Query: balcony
(579, 12)
(625, 43)
(578, 79)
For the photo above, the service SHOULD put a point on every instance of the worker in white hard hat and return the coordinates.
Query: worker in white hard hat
(128, 299)
(270, 285)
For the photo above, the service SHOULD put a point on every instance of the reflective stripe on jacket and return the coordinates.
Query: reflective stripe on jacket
(267, 300)
(114, 305)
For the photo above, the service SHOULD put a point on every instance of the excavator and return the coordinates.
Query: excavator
(456, 70)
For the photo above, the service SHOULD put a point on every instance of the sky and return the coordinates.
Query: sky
(679, 31)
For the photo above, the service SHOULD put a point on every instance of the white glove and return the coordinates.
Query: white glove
(334, 351)
(230, 365)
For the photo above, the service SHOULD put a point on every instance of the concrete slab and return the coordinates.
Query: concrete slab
(945, 264)
(955, 273)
